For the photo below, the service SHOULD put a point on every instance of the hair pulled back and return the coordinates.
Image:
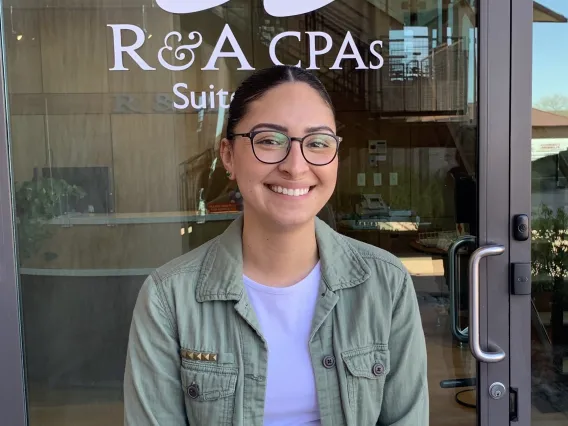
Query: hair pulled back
(257, 84)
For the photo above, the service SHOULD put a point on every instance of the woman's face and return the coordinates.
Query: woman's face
(296, 109)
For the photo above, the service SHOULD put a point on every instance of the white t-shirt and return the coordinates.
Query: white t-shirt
(285, 317)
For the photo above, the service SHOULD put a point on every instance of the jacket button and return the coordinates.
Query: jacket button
(193, 391)
(378, 369)
(328, 361)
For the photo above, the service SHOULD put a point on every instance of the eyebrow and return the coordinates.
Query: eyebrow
(269, 126)
(285, 129)
(318, 129)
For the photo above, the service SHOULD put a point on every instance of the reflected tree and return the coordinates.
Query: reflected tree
(557, 103)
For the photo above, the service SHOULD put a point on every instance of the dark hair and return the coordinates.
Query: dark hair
(256, 85)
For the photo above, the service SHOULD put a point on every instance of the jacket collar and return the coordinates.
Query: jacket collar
(221, 276)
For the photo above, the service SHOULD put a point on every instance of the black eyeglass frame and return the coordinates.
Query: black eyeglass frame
(251, 136)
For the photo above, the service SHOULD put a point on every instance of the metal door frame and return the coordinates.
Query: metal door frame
(12, 383)
(494, 215)
(520, 198)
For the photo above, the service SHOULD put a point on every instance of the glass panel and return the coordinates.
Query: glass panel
(549, 245)
(114, 151)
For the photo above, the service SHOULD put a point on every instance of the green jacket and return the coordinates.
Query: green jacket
(196, 355)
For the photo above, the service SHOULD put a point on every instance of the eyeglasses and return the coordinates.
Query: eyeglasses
(271, 146)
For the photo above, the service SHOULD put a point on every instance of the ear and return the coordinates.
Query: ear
(227, 157)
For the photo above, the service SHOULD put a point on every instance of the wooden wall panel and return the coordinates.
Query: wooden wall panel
(27, 144)
(24, 55)
(186, 137)
(80, 140)
(145, 163)
(73, 50)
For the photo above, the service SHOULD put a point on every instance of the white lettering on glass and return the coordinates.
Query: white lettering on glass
(237, 52)
(348, 41)
(276, 39)
(221, 94)
(181, 95)
(286, 8)
(277, 8)
(314, 52)
(377, 55)
(200, 101)
(119, 49)
(182, 51)
(179, 52)
(319, 43)
(188, 6)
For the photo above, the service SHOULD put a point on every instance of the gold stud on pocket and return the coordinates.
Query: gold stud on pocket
(200, 356)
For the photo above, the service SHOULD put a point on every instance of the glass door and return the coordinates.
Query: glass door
(546, 309)
(421, 90)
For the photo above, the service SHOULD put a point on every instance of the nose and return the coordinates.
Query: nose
(295, 164)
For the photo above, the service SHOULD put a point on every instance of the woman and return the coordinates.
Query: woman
(279, 320)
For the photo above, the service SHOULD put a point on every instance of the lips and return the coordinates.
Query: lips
(293, 192)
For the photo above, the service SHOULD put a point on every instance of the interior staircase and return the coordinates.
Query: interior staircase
(416, 78)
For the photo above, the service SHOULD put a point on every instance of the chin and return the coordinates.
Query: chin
(283, 213)
(289, 218)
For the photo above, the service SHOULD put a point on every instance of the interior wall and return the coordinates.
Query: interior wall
(69, 109)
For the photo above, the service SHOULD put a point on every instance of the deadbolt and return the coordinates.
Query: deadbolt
(497, 390)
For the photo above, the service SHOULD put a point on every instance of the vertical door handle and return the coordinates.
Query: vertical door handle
(474, 344)
(460, 334)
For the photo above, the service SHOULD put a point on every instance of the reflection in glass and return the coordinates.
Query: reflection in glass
(114, 179)
(549, 244)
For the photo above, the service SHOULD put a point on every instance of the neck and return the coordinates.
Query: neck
(278, 257)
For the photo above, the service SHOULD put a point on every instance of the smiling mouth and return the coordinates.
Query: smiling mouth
(296, 192)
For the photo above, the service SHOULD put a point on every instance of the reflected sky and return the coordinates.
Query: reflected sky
(550, 54)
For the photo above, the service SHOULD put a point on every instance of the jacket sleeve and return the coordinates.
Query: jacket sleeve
(153, 393)
(405, 400)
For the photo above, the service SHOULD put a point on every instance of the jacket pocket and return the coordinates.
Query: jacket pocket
(209, 392)
(366, 370)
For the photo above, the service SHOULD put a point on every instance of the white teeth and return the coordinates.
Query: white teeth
(292, 192)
